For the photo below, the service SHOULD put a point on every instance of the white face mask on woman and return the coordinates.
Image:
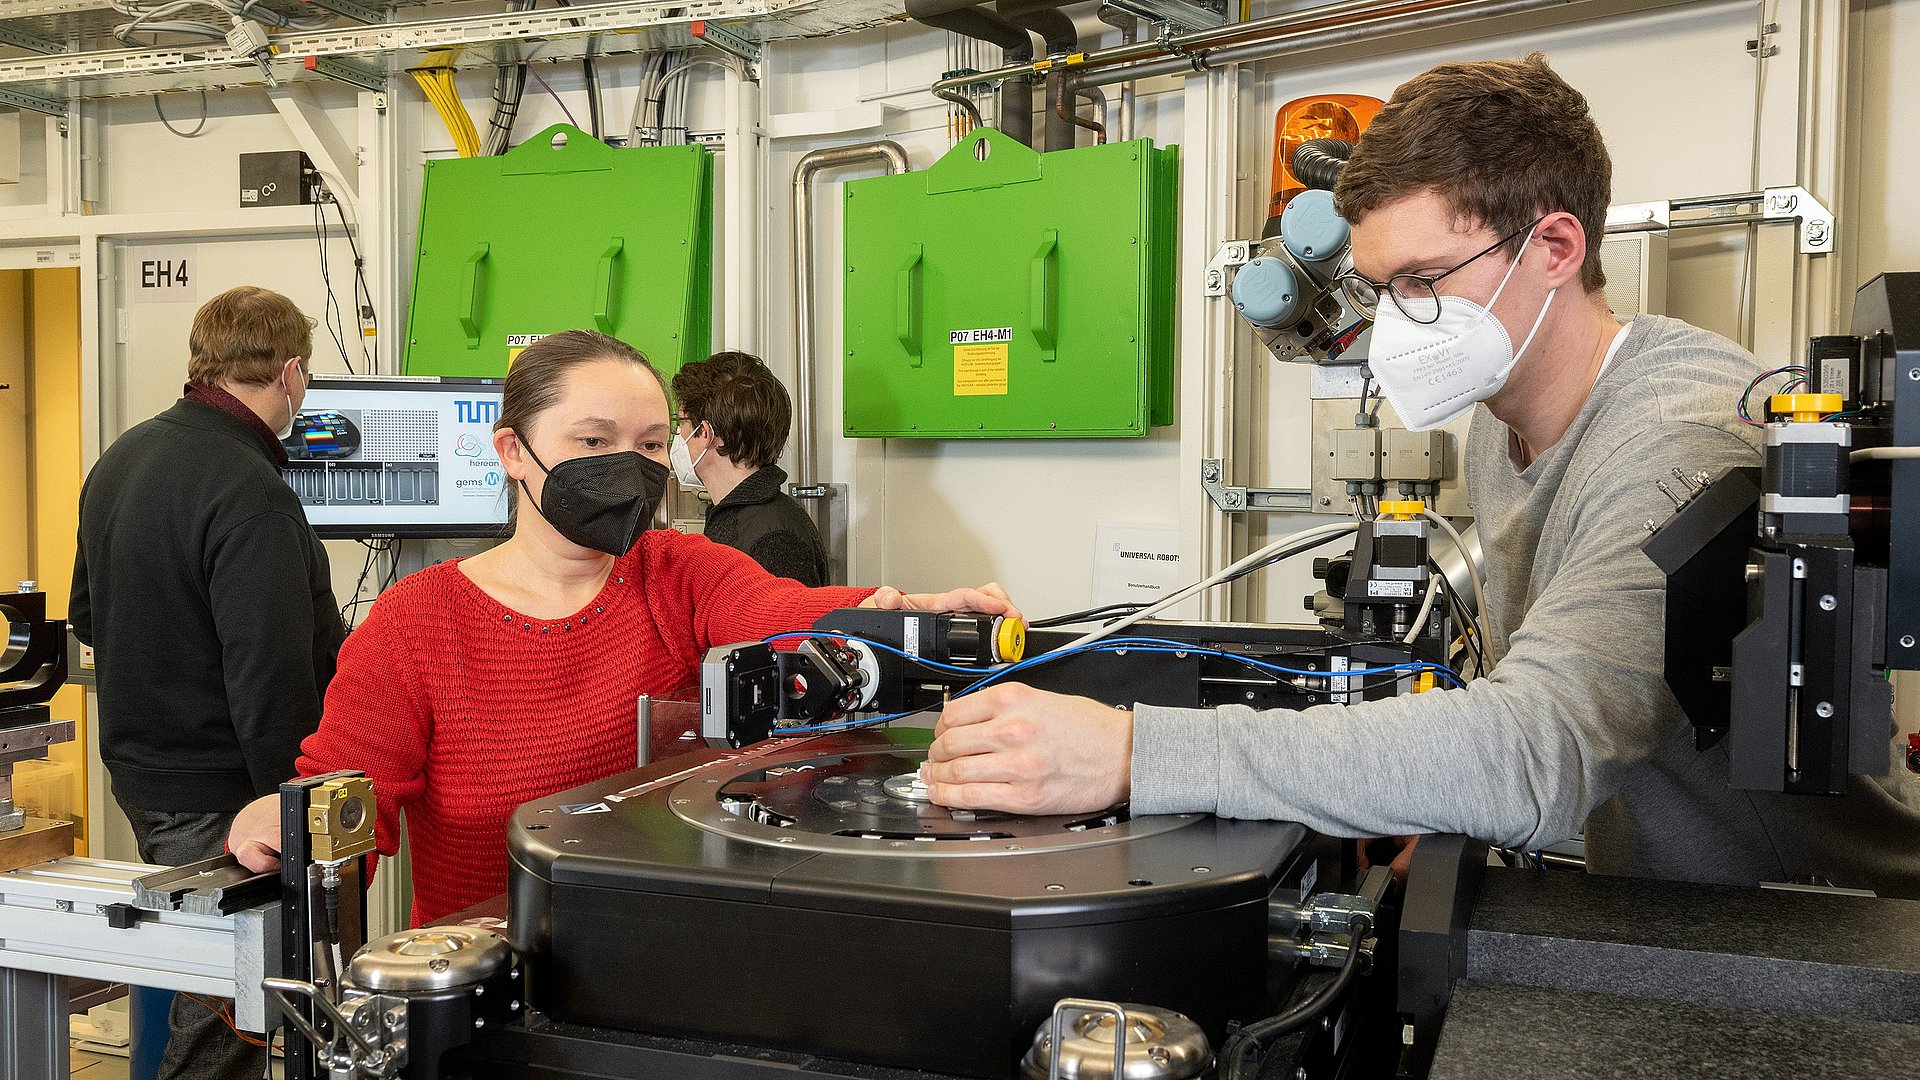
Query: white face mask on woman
(1432, 373)
(684, 462)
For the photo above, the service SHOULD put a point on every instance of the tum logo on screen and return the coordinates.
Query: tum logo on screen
(476, 412)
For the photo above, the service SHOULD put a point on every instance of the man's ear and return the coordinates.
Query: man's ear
(1565, 240)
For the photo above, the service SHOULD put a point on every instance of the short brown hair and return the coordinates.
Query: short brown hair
(534, 378)
(1505, 142)
(246, 335)
(737, 394)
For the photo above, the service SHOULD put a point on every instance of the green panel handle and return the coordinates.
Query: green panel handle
(606, 289)
(1043, 301)
(908, 302)
(476, 282)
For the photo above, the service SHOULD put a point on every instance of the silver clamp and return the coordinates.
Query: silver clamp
(370, 1032)
(1321, 927)
(1816, 221)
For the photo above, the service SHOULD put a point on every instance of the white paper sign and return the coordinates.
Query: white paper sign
(1135, 561)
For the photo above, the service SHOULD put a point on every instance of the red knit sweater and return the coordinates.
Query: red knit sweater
(461, 709)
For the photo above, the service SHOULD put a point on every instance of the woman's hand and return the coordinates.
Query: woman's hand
(254, 839)
(988, 599)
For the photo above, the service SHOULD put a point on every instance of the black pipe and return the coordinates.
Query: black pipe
(968, 19)
(1043, 17)
(1317, 162)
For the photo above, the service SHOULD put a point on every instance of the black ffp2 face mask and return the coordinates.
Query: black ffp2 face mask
(603, 502)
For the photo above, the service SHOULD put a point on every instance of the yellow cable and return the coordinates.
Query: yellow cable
(435, 78)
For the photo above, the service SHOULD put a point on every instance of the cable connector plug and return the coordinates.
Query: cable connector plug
(248, 39)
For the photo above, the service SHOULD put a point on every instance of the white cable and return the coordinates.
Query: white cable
(1309, 537)
(1473, 569)
(1426, 608)
(1886, 453)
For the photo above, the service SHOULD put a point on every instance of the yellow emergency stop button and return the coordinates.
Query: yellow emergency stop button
(1010, 640)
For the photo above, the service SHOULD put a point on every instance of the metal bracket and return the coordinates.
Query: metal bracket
(352, 74)
(1816, 221)
(1763, 46)
(1233, 500)
(21, 99)
(1174, 14)
(1231, 253)
(352, 9)
(30, 42)
(715, 36)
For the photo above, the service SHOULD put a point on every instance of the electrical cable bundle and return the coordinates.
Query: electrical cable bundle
(435, 77)
(151, 19)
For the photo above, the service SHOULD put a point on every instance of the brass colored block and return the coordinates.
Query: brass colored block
(340, 818)
(38, 841)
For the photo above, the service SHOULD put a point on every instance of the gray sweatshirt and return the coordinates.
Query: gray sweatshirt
(1575, 725)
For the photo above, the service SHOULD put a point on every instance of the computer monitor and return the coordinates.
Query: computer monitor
(398, 456)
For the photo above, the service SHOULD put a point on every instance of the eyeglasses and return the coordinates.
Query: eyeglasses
(1417, 297)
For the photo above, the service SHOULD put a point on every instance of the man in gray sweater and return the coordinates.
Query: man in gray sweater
(1477, 198)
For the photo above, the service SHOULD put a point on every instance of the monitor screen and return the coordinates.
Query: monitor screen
(395, 455)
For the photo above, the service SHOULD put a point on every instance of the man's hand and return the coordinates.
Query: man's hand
(254, 839)
(1402, 847)
(1026, 751)
(988, 599)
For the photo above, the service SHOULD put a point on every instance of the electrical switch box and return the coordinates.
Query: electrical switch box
(278, 178)
(1356, 454)
(1415, 456)
(563, 232)
(1005, 293)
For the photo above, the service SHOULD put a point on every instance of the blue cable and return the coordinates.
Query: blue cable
(1150, 645)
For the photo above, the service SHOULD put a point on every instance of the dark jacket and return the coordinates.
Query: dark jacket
(761, 519)
(208, 601)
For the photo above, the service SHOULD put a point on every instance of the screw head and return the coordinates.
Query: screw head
(1823, 709)
(1906, 641)
(1828, 603)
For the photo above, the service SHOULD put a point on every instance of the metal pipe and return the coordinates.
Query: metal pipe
(1072, 115)
(884, 151)
(1129, 28)
(969, 18)
(1056, 31)
(1182, 43)
(1398, 18)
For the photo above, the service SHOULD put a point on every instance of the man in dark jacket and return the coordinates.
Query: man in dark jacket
(208, 601)
(733, 423)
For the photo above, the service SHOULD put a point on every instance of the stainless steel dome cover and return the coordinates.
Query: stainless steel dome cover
(429, 958)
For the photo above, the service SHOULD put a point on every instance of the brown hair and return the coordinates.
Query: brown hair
(741, 398)
(534, 378)
(246, 335)
(1503, 141)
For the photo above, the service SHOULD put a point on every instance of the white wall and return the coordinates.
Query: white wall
(1673, 90)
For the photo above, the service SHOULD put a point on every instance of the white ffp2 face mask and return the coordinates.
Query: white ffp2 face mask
(1432, 373)
(684, 463)
(306, 380)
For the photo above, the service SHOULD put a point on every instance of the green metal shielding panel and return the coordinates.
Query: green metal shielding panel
(1005, 293)
(558, 237)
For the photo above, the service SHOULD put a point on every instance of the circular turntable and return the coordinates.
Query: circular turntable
(868, 802)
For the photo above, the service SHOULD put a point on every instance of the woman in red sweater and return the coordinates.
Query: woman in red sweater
(481, 683)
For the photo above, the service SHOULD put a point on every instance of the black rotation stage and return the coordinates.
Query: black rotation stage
(801, 898)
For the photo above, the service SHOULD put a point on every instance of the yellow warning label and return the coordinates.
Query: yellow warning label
(979, 370)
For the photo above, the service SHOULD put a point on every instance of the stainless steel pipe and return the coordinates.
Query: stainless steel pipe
(884, 151)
